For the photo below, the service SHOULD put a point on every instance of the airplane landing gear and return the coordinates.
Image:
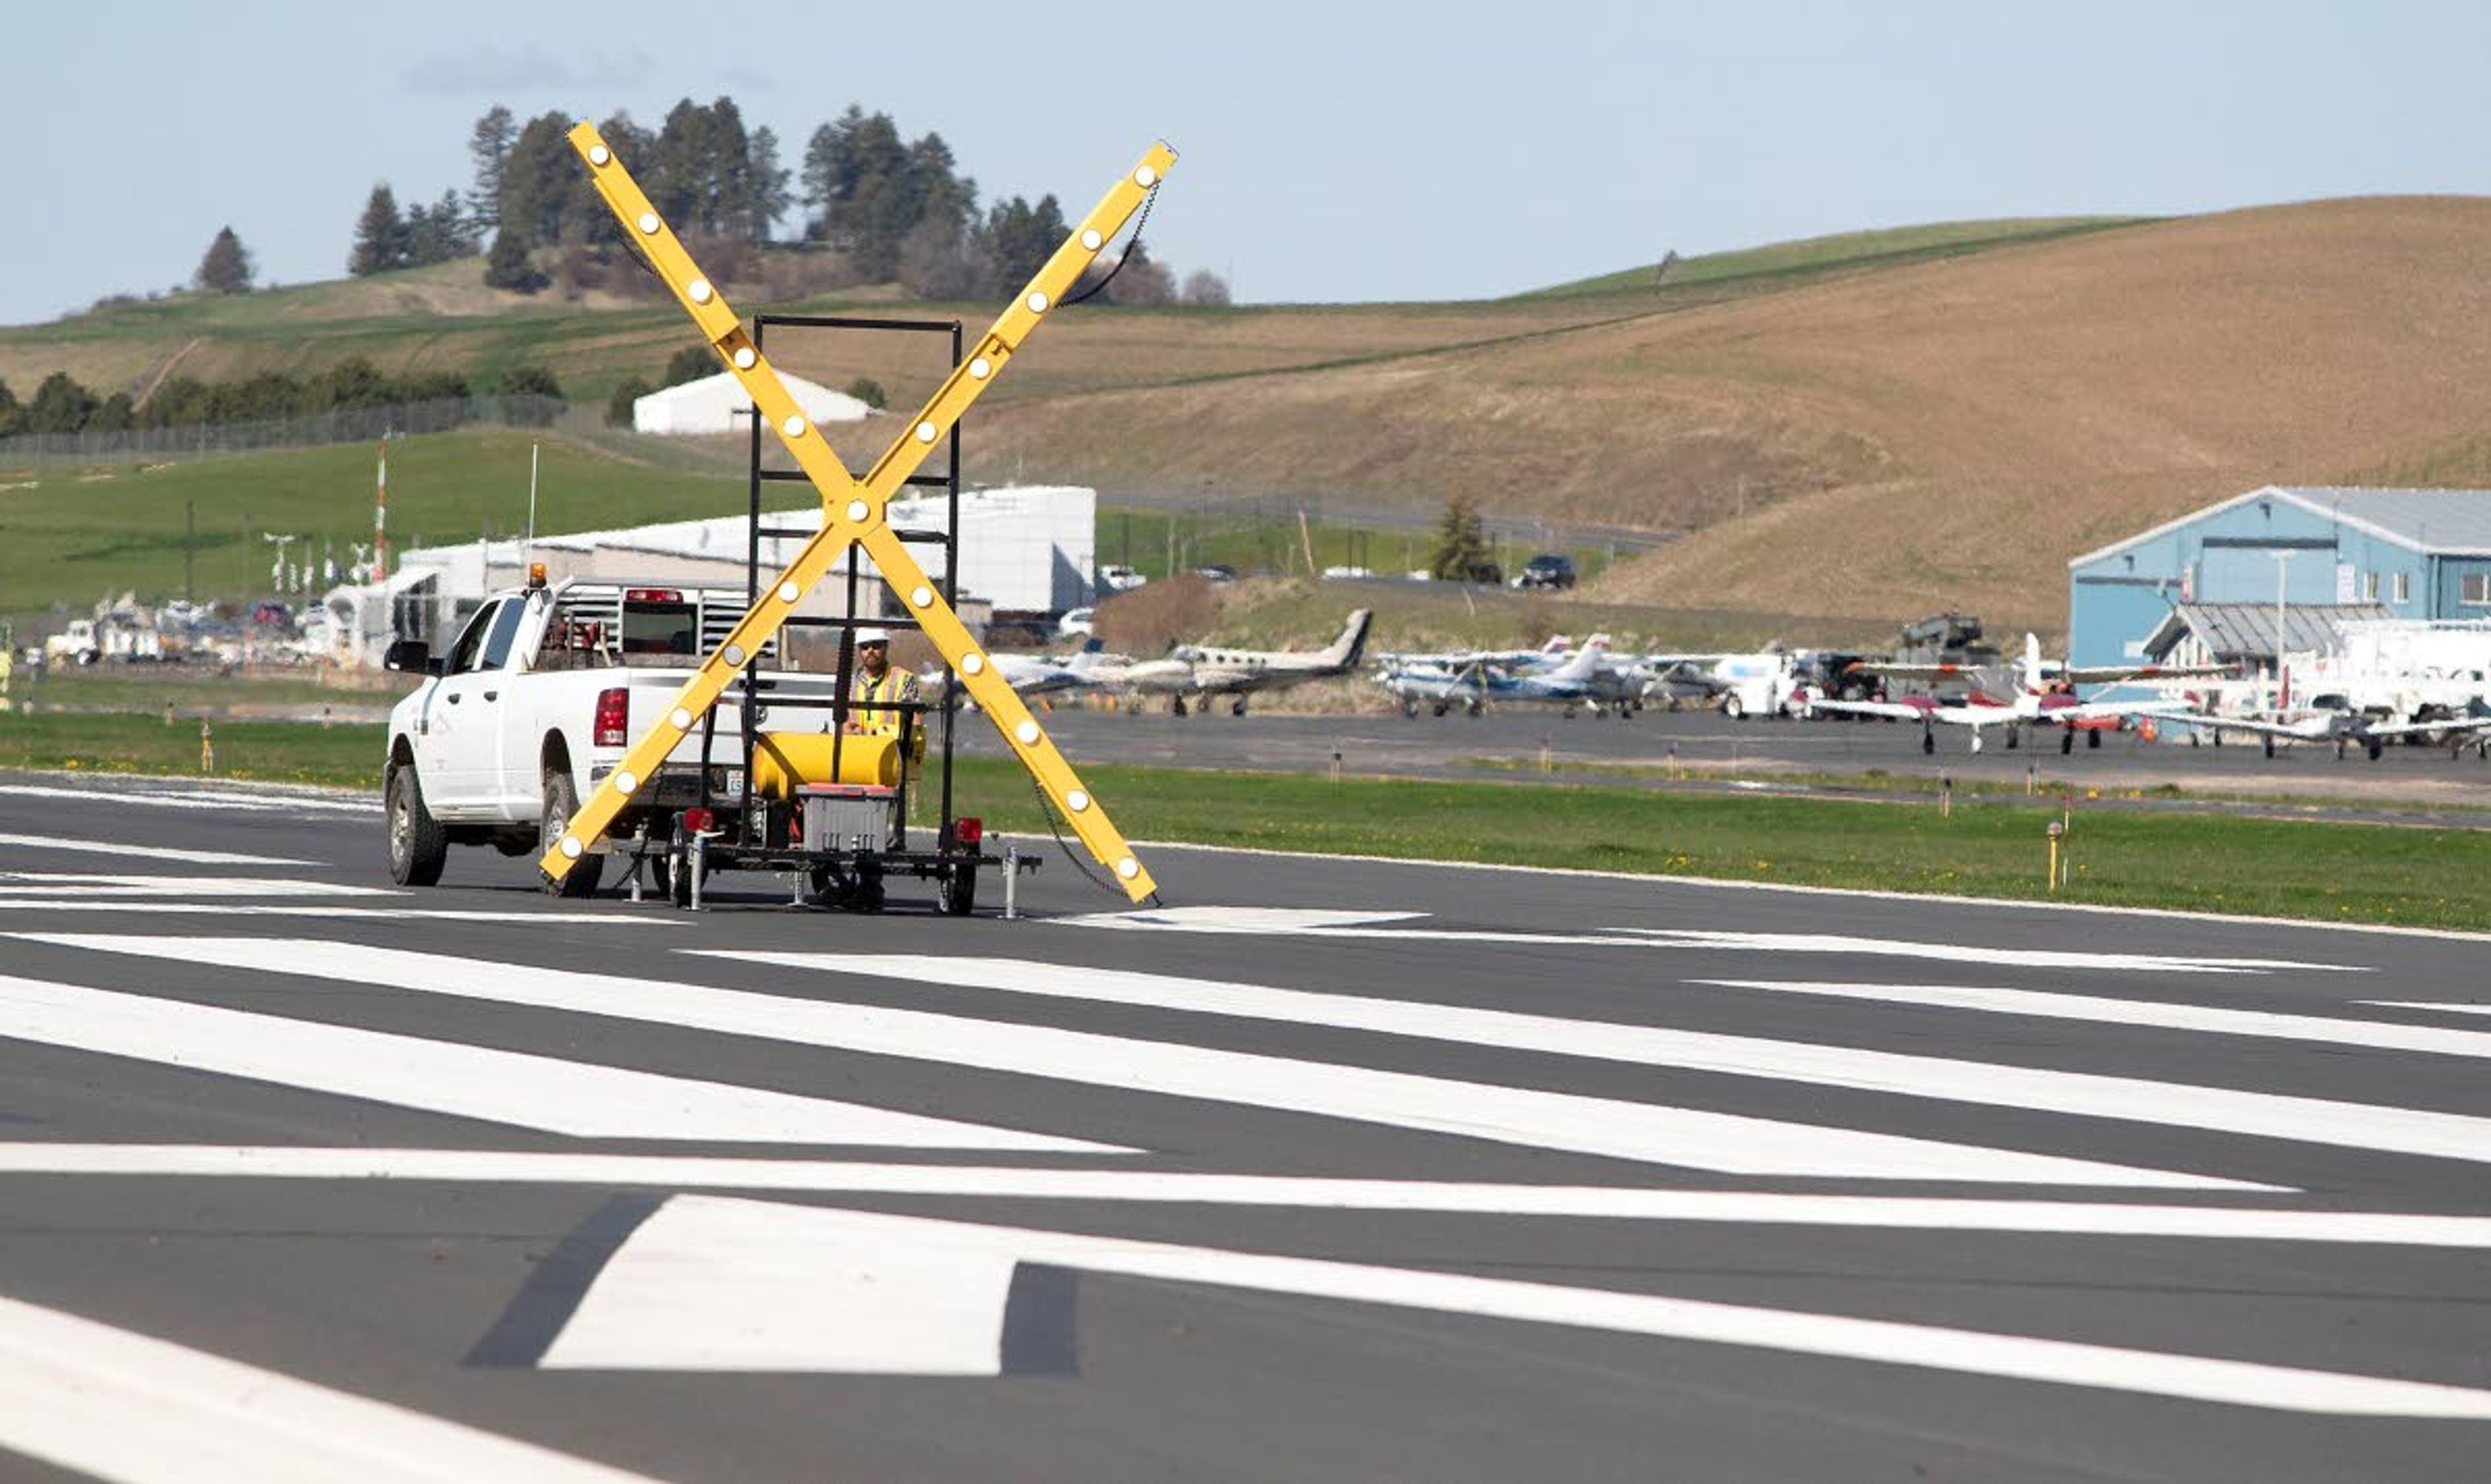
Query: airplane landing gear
(2067, 741)
(1176, 706)
(1237, 707)
(1929, 741)
(2093, 738)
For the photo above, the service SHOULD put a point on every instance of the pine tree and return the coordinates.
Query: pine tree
(226, 267)
(381, 235)
(488, 147)
(1461, 542)
(506, 266)
(769, 197)
(60, 406)
(12, 413)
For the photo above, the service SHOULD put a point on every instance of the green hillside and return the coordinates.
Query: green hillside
(1847, 252)
(70, 535)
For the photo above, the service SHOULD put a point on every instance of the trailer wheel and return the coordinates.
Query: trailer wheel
(560, 802)
(418, 845)
(957, 889)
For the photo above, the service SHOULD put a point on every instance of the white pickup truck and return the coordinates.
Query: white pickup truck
(536, 701)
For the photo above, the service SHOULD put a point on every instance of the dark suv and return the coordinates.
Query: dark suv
(1547, 570)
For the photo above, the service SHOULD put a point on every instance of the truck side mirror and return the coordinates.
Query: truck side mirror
(413, 654)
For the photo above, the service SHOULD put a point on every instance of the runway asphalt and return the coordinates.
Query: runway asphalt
(1326, 1169)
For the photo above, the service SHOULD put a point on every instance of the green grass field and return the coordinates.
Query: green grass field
(69, 536)
(1886, 248)
(1987, 847)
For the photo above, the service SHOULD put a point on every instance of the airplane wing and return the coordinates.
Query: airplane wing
(1894, 710)
(2312, 728)
(2453, 726)
(2103, 675)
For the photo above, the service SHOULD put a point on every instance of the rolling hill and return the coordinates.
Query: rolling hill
(1879, 424)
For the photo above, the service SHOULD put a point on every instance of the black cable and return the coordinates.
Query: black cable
(1133, 243)
(1046, 811)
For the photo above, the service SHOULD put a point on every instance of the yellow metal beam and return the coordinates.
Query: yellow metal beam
(853, 511)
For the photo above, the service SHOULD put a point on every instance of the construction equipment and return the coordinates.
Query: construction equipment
(853, 510)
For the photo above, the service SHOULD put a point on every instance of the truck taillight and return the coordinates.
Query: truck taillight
(613, 717)
(968, 829)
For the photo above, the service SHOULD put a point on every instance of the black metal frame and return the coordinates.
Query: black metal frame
(761, 840)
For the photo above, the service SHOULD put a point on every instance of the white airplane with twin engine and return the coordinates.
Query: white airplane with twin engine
(2033, 693)
(1201, 672)
(1038, 675)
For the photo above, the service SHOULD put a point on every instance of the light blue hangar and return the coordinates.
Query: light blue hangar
(2312, 553)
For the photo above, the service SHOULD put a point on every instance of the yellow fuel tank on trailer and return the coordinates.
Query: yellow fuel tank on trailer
(783, 760)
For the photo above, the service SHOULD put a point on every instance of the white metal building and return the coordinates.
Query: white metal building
(719, 404)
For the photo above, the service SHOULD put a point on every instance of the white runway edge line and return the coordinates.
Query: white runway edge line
(145, 852)
(1538, 1119)
(135, 1409)
(2385, 1036)
(82, 884)
(143, 907)
(501, 1087)
(224, 801)
(771, 1248)
(818, 1176)
(1859, 893)
(2426, 1004)
(1275, 921)
(2085, 1094)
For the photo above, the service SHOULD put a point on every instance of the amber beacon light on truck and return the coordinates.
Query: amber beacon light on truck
(853, 511)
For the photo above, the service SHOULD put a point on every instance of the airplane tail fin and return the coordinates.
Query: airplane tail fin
(1345, 650)
(2033, 664)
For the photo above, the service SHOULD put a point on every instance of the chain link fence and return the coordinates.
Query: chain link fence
(342, 425)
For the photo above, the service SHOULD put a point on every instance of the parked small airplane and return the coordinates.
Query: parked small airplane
(2033, 693)
(1572, 684)
(1203, 673)
(1438, 687)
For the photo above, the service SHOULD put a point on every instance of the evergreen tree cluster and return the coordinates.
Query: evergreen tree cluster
(891, 208)
(386, 240)
(61, 405)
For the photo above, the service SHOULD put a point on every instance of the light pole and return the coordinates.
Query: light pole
(2282, 568)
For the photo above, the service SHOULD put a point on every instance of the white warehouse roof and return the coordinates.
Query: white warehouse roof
(717, 404)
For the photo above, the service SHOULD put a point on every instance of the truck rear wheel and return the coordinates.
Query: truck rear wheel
(957, 889)
(560, 802)
(418, 845)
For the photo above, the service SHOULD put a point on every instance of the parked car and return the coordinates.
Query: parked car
(1548, 570)
(1075, 622)
(1120, 579)
(1215, 571)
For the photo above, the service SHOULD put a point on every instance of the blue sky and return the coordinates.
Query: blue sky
(1338, 152)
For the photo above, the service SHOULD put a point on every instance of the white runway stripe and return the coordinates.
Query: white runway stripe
(223, 800)
(2181, 1105)
(125, 1407)
(140, 907)
(81, 883)
(773, 1248)
(2385, 1036)
(144, 852)
(1260, 921)
(1591, 1125)
(501, 1087)
(684, 1172)
(2425, 1004)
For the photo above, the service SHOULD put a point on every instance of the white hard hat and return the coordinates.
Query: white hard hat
(873, 637)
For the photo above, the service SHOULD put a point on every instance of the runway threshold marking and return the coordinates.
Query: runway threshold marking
(137, 1409)
(2386, 1036)
(1261, 920)
(2261, 1223)
(1647, 1132)
(145, 852)
(718, 1283)
(548, 1093)
(2366, 1126)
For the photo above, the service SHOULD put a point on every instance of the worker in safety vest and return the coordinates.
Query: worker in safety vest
(878, 683)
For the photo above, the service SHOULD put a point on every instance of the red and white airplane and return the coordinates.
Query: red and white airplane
(2034, 694)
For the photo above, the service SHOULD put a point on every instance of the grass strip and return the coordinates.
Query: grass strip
(1985, 847)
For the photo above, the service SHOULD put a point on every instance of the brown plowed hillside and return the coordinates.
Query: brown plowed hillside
(1946, 434)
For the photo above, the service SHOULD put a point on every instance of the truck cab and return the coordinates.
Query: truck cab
(534, 704)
